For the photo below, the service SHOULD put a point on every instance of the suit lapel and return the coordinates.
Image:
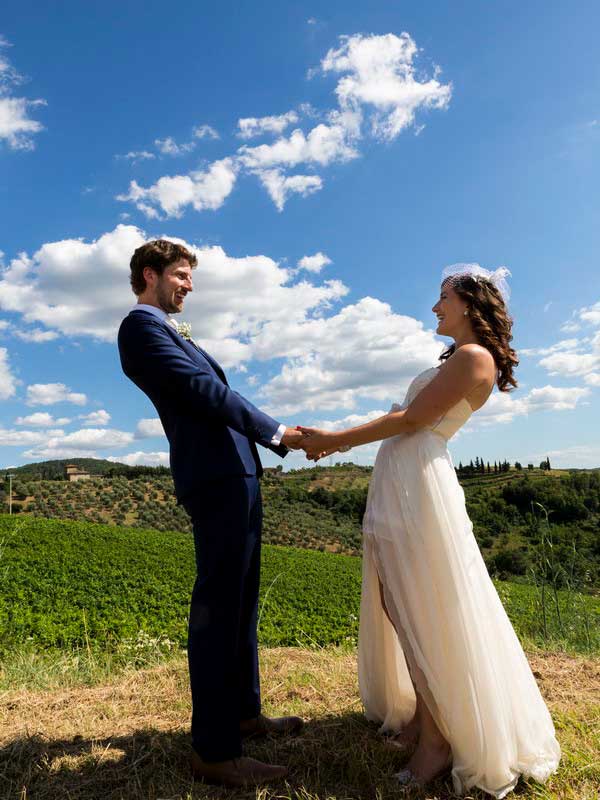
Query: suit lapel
(214, 364)
(180, 340)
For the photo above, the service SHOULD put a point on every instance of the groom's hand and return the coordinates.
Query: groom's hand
(292, 438)
(318, 443)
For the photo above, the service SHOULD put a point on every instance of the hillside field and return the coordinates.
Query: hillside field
(321, 508)
(94, 697)
(75, 584)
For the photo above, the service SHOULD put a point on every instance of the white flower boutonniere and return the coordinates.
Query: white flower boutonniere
(184, 329)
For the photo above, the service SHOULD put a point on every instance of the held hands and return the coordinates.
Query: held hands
(319, 443)
(292, 438)
(316, 443)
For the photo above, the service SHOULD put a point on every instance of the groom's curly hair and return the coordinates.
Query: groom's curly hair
(492, 325)
(157, 254)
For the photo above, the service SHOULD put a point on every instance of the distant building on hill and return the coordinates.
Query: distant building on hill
(73, 473)
(273, 470)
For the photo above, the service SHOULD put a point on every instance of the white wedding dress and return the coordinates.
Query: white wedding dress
(452, 628)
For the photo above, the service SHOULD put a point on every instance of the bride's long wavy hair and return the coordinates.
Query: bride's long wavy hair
(491, 323)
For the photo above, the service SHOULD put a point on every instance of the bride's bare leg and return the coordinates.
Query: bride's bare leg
(409, 735)
(432, 755)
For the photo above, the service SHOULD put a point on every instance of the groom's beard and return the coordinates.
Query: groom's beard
(167, 300)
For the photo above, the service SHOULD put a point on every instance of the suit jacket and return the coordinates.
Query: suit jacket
(211, 429)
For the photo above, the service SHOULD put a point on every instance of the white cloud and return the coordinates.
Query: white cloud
(42, 419)
(365, 351)
(256, 126)
(37, 335)
(205, 132)
(8, 382)
(83, 443)
(314, 263)
(158, 459)
(171, 194)
(324, 145)
(571, 363)
(74, 286)
(148, 428)
(590, 314)
(581, 358)
(136, 155)
(100, 417)
(556, 398)
(16, 126)
(564, 344)
(503, 407)
(379, 79)
(54, 453)
(83, 288)
(379, 72)
(333, 356)
(12, 438)
(280, 186)
(169, 147)
(570, 327)
(92, 438)
(46, 394)
(575, 357)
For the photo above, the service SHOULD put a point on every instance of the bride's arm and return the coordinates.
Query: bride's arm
(319, 442)
(461, 374)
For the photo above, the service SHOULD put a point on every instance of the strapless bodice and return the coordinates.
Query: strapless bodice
(448, 424)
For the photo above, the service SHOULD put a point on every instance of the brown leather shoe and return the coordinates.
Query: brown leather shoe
(270, 726)
(241, 771)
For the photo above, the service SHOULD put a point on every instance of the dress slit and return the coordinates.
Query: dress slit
(415, 671)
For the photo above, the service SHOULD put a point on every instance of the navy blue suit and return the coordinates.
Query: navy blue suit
(212, 433)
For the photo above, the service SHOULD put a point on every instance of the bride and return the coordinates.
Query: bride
(439, 663)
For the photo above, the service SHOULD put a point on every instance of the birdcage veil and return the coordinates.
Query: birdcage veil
(455, 272)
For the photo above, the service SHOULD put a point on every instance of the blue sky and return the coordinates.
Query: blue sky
(326, 161)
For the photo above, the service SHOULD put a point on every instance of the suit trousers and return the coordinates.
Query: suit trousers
(222, 637)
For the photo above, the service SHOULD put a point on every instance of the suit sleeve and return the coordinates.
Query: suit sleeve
(151, 358)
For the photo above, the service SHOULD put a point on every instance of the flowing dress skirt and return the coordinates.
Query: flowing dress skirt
(450, 627)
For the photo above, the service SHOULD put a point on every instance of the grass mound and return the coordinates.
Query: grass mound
(129, 738)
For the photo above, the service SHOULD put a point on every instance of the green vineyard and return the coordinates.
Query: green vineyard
(75, 584)
(321, 508)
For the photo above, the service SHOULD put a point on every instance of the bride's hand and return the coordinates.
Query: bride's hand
(326, 453)
(317, 443)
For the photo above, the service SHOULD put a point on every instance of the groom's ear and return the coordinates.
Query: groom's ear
(150, 276)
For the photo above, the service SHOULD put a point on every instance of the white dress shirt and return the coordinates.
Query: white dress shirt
(164, 317)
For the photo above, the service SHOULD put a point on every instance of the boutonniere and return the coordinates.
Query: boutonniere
(184, 329)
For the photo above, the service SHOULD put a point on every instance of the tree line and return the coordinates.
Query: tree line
(481, 467)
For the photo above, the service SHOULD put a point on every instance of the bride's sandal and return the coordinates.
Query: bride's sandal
(408, 780)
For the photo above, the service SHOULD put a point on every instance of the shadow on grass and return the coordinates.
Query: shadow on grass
(333, 757)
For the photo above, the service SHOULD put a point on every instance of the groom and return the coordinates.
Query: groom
(212, 433)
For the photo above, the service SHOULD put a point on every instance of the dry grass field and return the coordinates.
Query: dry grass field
(127, 739)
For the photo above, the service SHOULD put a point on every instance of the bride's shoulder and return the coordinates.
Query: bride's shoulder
(475, 357)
